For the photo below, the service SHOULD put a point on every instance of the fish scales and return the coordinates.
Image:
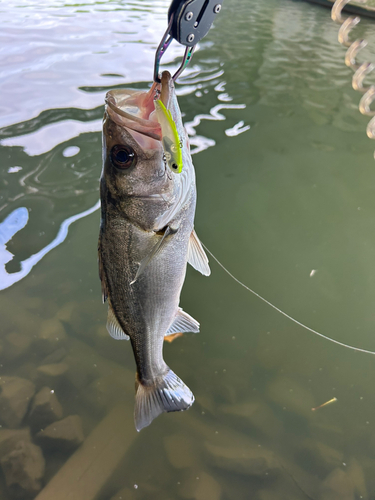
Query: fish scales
(146, 239)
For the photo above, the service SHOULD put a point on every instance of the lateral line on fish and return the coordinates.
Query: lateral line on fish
(359, 349)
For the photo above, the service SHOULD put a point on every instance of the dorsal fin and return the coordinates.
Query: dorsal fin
(197, 256)
(183, 322)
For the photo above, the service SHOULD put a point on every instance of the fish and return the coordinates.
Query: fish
(146, 239)
(171, 142)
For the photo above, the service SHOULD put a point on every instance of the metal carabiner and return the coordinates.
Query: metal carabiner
(163, 45)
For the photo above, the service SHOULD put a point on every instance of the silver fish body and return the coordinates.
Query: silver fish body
(146, 239)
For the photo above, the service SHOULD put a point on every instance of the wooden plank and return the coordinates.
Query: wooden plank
(86, 472)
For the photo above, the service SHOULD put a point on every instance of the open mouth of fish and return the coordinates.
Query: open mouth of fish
(135, 110)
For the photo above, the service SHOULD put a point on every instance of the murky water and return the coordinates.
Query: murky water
(286, 185)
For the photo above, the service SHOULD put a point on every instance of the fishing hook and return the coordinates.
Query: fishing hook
(165, 171)
(163, 45)
(360, 70)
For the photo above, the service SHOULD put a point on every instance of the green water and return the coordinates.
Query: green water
(291, 194)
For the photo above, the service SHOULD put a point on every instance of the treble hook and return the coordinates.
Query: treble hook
(360, 70)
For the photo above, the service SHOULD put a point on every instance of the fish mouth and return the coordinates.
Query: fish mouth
(134, 109)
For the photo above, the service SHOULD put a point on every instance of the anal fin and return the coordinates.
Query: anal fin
(183, 322)
(113, 326)
(197, 256)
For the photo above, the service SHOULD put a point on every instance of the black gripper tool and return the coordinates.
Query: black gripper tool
(192, 19)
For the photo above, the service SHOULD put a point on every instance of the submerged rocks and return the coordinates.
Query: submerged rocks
(337, 486)
(271, 495)
(124, 494)
(55, 356)
(15, 345)
(66, 434)
(51, 336)
(91, 468)
(242, 459)
(45, 409)
(357, 476)
(66, 312)
(291, 396)
(23, 469)
(103, 392)
(323, 454)
(15, 396)
(9, 438)
(200, 485)
(235, 442)
(258, 415)
(207, 487)
(50, 374)
(235, 452)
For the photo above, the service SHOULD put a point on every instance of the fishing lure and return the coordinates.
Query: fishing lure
(324, 404)
(170, 139)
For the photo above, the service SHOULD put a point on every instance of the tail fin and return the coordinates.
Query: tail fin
(170, 394)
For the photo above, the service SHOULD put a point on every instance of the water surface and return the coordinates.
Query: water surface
(286, 185)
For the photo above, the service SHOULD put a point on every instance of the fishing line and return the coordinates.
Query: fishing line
(284, 313)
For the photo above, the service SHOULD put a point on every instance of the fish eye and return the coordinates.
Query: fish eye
(175, 166)
(123, 157)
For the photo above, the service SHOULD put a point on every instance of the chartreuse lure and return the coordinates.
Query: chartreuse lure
(170, 139)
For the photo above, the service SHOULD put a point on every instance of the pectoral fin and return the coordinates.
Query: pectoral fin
(197, 256)
(113, 326)
(183, 322)
(156, 249)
